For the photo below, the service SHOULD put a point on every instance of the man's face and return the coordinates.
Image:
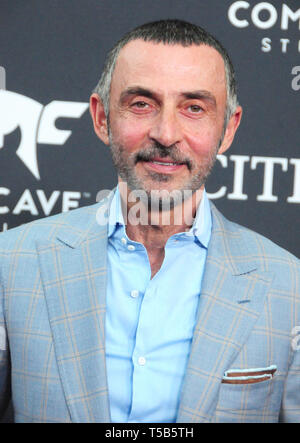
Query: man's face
(167, 108)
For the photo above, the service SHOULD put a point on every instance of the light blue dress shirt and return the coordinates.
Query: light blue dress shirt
(150, 322)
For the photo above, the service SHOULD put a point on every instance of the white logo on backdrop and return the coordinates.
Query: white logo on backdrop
(241, 19)
(36, 122)
(265, 15)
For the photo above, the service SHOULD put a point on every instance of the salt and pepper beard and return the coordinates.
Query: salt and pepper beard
(125, 165)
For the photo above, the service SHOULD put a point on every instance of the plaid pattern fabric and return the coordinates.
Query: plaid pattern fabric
(52, 317)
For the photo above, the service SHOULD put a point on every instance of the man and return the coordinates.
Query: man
(110, 313)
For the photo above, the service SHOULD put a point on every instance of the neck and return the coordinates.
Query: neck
(153, 228)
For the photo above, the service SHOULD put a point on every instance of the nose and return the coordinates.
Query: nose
(166, 128)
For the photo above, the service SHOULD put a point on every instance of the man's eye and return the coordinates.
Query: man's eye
(195, 109)
(140, 105)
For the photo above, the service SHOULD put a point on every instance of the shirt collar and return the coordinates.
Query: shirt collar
(115, 218)
(201, 228)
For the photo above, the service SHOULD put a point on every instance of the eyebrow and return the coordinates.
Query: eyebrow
(198, 94)
(136, 90)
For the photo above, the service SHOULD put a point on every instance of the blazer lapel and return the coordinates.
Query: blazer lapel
(232, 297)
(73, 271)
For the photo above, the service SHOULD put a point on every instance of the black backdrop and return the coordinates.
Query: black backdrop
(52, 53)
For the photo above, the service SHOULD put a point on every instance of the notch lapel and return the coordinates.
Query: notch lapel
(232, 298)
(73, 271)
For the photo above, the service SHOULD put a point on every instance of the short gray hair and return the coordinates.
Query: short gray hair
(169, 32)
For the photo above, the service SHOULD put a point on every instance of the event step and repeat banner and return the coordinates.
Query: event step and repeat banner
(51, 57)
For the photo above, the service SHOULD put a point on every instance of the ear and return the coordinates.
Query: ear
(99, 118)
(231, 129)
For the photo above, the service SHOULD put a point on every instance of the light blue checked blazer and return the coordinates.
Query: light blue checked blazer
(52, 316)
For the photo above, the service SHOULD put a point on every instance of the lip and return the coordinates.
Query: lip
(163, 168)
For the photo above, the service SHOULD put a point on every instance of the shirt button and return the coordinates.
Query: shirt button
(134, 293)
(131, 248)
(142, 361)
(123, 240)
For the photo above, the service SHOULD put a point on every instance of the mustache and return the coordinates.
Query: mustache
(159, 150)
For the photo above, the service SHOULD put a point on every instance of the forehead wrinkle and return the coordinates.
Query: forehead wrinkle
(142, 52)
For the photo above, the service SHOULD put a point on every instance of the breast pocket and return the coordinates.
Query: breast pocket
(245, 397)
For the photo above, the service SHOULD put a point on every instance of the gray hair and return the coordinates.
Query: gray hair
(169, 32)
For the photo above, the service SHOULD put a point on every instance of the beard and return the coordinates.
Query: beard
(160, 198)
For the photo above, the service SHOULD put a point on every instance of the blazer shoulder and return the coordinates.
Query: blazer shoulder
(24, 237)
(251, 243)
(263, 246)
(244, 251)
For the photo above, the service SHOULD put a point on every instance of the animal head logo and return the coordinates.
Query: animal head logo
(36, 122)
